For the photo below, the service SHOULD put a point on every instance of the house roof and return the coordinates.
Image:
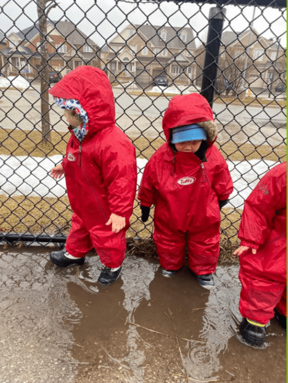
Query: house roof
(2, 37)
(173, 41)
(66, 28)
(20, 50)
(229, 37)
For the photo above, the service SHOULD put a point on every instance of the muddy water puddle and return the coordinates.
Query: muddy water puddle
(60, 325)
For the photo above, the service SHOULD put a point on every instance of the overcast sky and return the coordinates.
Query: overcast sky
(101, 27)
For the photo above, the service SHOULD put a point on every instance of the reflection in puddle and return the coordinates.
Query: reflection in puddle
(137, 276)
(36, 318)
(220, 321)
(40, 305)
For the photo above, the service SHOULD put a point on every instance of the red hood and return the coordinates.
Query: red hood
(91, 87)
(186, 110)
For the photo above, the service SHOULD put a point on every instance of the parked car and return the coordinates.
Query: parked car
(161, 80)
(55, 76)
(280, 87)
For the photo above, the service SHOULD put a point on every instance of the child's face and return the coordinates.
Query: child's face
(70, 119)
(188, 146)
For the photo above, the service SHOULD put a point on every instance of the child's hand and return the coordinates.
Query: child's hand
(57, 172)
(241, 249)
(117, 222)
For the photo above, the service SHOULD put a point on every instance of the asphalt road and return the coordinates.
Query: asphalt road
(143, 115)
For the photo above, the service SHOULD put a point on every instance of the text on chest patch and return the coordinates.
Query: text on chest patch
(71, 157)
(186, 181)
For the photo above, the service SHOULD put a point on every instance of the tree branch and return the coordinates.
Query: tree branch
(51, 7)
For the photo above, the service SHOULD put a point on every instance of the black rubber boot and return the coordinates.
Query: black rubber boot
(107, 276)
(59, 259)
(254, 335)
(206, 281)
(281, 319)
(168, 273)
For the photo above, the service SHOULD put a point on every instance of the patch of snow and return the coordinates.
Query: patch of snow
(180, 89)
(30, 176)
(17, 82)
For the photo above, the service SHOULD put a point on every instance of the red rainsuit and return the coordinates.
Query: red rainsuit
(263, 227)
(185, 192)
(101, 175)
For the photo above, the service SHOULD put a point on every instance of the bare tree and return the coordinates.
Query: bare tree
(231, 69)
(43, 9)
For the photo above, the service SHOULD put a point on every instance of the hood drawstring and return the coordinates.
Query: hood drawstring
(79, 156)
(172, 172)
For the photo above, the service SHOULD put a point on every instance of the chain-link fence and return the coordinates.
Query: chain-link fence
(234, 53)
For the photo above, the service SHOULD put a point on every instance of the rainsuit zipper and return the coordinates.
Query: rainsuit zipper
(275, 239)
(207, 178)
(79, 162)
(79, 155)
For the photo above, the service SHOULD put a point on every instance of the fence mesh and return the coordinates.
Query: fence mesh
(150, 51)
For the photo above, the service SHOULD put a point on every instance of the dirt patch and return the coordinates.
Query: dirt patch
(146, 248)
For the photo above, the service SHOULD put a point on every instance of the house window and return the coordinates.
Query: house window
(102, 55)
(87, 49)
(61, 48)
(273, 56)
(156, 51)
(183, 37)
(144, 51)
(77, 63)
(133, 48)
(176, 69)
(164, 52)
(163, 35)
(15, 61)
(113, 65)
(258, 55)
(189, 70)
(269, 75)
(188, 54)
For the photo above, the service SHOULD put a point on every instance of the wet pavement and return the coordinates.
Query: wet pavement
(60, 325)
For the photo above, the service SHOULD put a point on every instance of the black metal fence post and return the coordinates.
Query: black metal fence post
(216, 19)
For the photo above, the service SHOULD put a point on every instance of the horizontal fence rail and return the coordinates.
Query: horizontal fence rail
(233, 53)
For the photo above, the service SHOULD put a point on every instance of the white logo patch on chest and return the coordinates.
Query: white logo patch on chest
(71, 157)
(186, 181)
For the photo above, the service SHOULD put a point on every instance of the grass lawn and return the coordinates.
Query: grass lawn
(50, 215)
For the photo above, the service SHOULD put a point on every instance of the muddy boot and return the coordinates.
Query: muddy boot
(63, 259)
(253, 332)
(109, 275)
(168, 273)
(281, 319)
(206, 281)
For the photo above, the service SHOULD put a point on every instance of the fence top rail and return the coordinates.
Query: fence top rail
(259, 3)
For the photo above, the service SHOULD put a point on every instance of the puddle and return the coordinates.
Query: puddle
(60, 325)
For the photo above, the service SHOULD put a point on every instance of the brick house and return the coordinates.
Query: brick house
(68, 48)
(266, 56)
(145, 51)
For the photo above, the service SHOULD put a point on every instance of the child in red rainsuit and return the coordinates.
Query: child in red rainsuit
(100, 172)
(188, 181)
(262, 256)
